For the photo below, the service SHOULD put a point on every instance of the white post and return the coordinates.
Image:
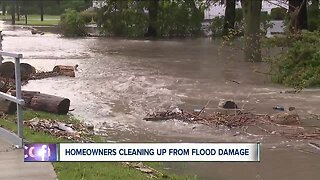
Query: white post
(1, 38)
(18, 96)
(17, 99)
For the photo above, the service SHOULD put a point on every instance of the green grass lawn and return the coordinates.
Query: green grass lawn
(34, 20)
(80, 170)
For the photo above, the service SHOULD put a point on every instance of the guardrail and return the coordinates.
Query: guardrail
(18, 100)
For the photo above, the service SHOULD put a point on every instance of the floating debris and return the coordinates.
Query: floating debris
(288, 126)
(278, 108)
(227, 104)
(314, 145)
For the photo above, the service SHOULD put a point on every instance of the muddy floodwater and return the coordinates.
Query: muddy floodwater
(119, 81)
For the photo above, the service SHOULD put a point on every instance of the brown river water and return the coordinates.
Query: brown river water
(119, 81)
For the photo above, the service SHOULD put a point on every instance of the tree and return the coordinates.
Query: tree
(13, 12)
(18, 10)
(41, 10)
(153, 18)
(252, 13)
(229, 17)
(4, 5)
(314, 16)
(298, 14)
(25, 10)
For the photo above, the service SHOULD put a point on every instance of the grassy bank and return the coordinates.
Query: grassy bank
(79, 170)
(34, 20)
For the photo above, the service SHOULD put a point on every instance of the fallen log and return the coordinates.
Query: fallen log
(50, 103)
(26, 96)
(64, 70)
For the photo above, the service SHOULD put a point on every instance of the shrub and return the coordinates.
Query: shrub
(130, 19)
(216, 26)
(313, 18)
(278, 13)
(300, 65)
(89, 16)
(177, 19)
(72, 24)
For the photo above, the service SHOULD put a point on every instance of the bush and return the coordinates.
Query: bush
(130, 19)
(216, 26)
(177, 19)
(278, 13)
(89, 16)
(313, 18)
(72, 24)
(217, 23)
(300, 65)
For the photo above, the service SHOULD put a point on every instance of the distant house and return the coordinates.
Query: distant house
(219, 10)
(98, 4)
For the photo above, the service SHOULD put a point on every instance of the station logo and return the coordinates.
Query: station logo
(40, 152)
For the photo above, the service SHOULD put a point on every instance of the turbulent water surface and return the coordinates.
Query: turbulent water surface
(120, 81)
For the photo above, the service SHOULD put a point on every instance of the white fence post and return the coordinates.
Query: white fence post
(17, 99)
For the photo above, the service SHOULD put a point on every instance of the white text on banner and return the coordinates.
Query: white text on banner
(159, 152)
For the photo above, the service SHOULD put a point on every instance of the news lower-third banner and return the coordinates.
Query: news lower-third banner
(111, 152)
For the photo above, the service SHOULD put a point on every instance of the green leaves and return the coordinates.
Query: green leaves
(300, 65)
(130, 18)
(72, 24)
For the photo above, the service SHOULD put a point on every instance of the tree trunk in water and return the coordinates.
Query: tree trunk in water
(26, 17)
(25, 11)
(153, 18)
(13, 12)
(252, 12)
(41, 10)
(229, 16)
(298, 14)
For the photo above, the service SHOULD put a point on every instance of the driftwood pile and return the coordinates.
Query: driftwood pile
(33, 100)
(215, 119)
(241, 120)
(75, 132)
(7, 81)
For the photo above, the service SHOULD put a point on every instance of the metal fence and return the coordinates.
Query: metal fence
(18, 100)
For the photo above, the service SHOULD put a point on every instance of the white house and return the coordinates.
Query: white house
(98, 3)
(278, 26)
(218, 10)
